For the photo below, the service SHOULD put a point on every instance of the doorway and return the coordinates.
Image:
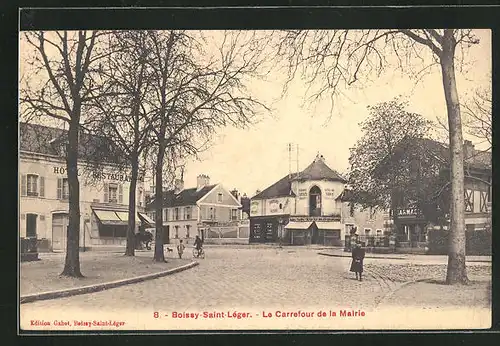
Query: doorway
(59, 231)
(31, 225)
(315, 201)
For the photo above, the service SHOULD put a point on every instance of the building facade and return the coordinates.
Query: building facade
(207, 210)
(44, 192)
(307, 208)
(412, 225)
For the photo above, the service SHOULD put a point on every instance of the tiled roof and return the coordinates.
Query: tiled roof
(475, 158)
(47, 140)
(279, 189)
(318, 170)
(184, 198)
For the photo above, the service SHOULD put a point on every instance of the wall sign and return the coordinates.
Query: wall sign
(254, 207)
(101, 175)
(302, 193)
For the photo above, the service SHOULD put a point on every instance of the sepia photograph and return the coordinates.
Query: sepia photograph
(225, 180)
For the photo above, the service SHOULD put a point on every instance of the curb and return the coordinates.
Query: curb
(370, 257)
(396, 258)
(101, 287)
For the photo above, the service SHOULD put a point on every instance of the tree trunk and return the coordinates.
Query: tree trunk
(72, 261)
(159, 255)
(131, 241)
(456, 272)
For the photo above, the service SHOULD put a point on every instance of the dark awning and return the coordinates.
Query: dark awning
(109, 217)
(146, 219)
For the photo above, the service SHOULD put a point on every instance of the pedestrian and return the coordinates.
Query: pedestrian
(180, 248)
(358, 255)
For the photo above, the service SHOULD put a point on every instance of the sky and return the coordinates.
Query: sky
(254, 158)
(257, 157)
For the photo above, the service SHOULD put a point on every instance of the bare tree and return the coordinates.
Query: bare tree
(122, 116)
(198, 86)
(330, 60)
(478, 119)
(60, 86)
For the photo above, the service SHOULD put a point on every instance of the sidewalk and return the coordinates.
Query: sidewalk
(100, 270)
(434, 259)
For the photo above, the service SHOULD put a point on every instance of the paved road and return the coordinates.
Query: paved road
(255, 280)
(243, 278)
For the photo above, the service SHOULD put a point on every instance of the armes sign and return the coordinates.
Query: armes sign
(102, 175)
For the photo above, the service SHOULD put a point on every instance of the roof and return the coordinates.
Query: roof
(318, 170)
(474, 158)
(47, 140)
(281, 188)
(184, 198)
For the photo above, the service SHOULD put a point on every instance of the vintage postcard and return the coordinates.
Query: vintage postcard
(188, 180)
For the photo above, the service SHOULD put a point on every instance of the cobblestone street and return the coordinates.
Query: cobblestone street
(242, 279)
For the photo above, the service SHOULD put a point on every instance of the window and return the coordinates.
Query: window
(219, 197)
(234, 214)
(140, 198)
(32, 187)
(165, 214)
(113, 194)
(212, 213)
(176, 214)
(379, 232)
(176, 231)
(367, 231)
(153, 215)
(62, 188)
(152, 189)
(188, 213)
(187, 230)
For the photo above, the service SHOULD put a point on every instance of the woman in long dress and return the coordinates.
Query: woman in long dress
(358, 255)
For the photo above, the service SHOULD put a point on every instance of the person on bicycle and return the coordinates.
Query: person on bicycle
(198, 244)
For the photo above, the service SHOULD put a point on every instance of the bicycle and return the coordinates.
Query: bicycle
(198, 253)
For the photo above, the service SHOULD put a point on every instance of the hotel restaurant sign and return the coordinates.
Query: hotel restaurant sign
(116, 176)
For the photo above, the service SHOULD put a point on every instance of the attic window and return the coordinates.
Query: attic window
(219, 197)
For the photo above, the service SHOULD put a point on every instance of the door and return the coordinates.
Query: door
(59, 231)
(31, 225)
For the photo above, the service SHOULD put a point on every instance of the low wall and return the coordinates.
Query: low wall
(477, 242)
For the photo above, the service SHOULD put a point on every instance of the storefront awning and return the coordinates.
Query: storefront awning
(146, 219)
(298, 225)
(109, 217)
(329, 225)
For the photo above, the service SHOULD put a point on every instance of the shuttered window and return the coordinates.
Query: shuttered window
(32, 185)
(113, 193)
(62, 189)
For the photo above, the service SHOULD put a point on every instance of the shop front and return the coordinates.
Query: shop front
(268, 229)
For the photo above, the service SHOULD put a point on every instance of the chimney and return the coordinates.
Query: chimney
(257, 192)
(236, 194)
(468, 149)
(201, 181)
(179, 185)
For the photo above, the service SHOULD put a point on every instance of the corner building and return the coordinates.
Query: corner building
(44, 192)
(307, 208)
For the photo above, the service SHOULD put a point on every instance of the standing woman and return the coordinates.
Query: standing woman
(358, 255)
